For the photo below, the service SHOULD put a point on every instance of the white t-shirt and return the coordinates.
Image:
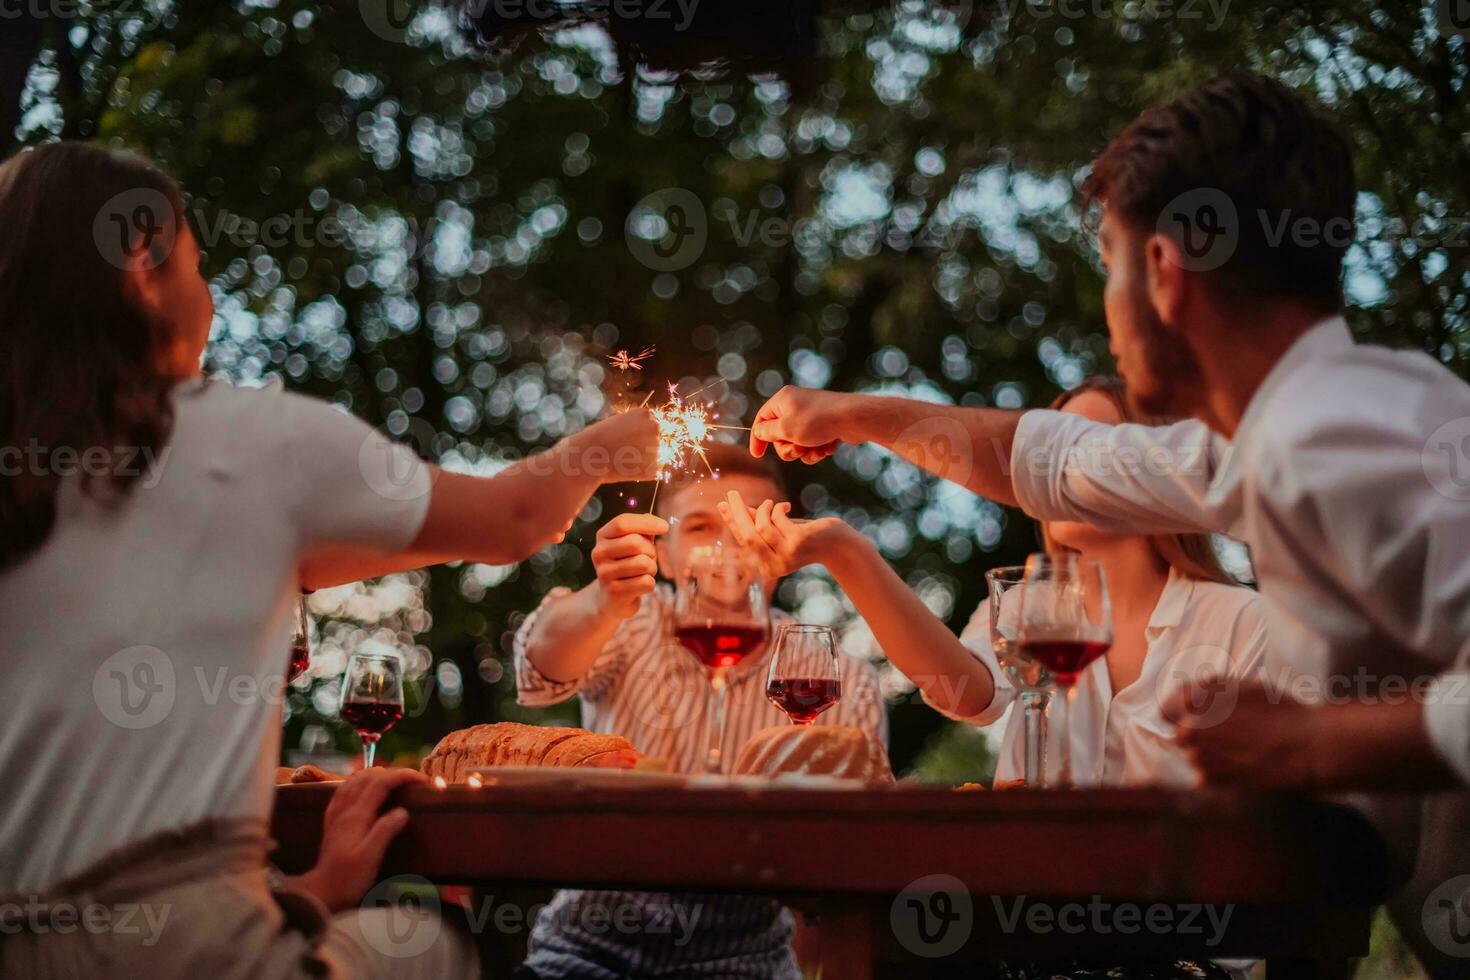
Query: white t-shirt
(1197, 630)
(145, 643)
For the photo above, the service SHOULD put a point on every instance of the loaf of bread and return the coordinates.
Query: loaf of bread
(815, 750)
(313, 774)
(510, 743)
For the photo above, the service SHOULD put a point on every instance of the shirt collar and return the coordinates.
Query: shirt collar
(1169, 610)
(1326, 338)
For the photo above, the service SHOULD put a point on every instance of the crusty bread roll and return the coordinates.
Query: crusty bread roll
(510, 743)
(815, 750)
(312, 774)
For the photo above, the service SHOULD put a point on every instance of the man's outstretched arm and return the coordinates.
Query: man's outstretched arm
(1056, 466)
(969, 446)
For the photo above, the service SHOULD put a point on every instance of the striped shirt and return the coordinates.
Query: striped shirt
(647, 688)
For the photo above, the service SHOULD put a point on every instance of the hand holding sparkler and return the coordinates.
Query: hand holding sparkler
(804, 423)
(624, 447)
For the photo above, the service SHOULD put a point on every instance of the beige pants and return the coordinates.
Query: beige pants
(198, 905)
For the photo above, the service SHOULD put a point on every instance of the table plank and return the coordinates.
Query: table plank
(1298, 878)
(1136, 844)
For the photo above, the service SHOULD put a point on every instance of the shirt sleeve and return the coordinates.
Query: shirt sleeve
(976, 638)
(1447, 718)
(862, 704)
(1129, 479)
(348, 484)
(638, 632)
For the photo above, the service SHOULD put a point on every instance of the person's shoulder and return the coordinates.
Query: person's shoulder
(213, 400)
(1361, 391)
(1223, 602)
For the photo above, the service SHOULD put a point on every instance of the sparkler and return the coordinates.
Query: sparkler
(684, 426)
(624, 361)
(683, 429)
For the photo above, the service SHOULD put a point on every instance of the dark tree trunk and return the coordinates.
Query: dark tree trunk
(19, 42)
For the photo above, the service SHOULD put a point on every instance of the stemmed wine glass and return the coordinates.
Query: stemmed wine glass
(720, 617)
(372, 698)
(1065, 622)
(1030, 677)
(300, 642)
(804, 679)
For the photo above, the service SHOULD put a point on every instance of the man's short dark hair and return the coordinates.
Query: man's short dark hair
(727, 458)
(1286, 168)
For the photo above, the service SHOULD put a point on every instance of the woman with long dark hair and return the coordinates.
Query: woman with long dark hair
(155, 531)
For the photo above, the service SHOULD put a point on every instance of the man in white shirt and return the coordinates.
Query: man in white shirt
(1224, 219)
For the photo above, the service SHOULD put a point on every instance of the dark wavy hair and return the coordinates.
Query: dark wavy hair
(81, 365)
(1276, 157)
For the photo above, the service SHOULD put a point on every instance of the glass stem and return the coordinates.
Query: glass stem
(369, 750)
(1069, 698)
(712, 760)
(1034, 704)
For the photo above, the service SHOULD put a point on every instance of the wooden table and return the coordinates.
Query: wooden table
(1297, 879)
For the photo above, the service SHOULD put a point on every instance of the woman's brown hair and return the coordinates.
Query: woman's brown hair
(1192, 555)
(81, 363)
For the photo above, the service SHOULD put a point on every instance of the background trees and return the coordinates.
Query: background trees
(449, 241)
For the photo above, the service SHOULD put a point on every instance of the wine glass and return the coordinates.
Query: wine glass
(372, 698)
(1029, 676)
(1065, 622)
(804, 680)
(720, 617)
(300, 642)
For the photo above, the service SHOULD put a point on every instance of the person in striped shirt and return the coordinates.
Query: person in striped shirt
(612, 643)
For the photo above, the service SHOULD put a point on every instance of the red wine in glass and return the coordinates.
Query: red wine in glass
(803, 698)
(371, 718)
(1066, 659)
(300, 659)
(720, 644)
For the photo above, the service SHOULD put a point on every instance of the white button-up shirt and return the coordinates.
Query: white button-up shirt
(1197, 629)
(1349, 477)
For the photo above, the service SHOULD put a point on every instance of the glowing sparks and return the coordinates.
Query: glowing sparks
(624, 361)
(683, 429)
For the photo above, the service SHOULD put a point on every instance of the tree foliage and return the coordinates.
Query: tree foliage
(448, 240)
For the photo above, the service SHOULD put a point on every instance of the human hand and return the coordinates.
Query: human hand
(626, 561)
(627, 443)
(1241, 733)
(780, 544)
(802, 423)
(355, 836)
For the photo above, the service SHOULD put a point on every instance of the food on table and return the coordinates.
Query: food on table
(509, 743)
(283, 774)
(820, 750)
(312, 774)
